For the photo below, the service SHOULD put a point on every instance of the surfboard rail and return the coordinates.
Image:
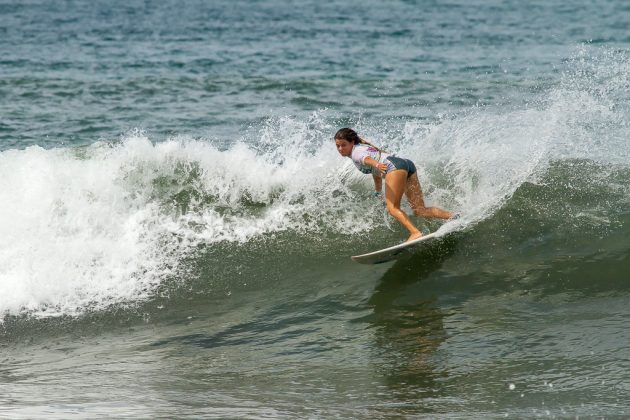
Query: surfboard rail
(392, 252)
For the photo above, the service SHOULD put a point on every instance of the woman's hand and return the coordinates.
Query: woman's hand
(382, 167)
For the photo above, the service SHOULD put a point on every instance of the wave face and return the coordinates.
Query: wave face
(109, 224)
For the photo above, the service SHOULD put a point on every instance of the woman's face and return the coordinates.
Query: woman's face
(344, 147)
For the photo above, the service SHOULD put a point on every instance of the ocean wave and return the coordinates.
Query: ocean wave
(86, 228)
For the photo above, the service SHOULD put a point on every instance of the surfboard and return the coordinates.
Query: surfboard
(396, 251)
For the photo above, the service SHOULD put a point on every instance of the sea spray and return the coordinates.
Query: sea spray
(87, 228)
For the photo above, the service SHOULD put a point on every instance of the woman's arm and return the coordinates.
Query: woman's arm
(375, 164)
(378, 183)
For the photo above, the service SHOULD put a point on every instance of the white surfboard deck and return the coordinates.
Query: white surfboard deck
(393, 252)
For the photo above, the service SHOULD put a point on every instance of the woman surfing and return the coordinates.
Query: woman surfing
(399, 174)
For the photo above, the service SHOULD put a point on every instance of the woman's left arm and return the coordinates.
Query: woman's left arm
(378, 183)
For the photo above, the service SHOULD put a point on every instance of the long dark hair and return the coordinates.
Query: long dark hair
(349, 135)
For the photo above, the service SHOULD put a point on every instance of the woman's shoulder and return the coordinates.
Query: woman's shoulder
(358, 151)
(364, 148)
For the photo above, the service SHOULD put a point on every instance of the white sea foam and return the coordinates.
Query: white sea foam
(106, 224)
(72, 237)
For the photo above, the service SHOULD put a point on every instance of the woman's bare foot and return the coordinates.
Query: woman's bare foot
(415, 236)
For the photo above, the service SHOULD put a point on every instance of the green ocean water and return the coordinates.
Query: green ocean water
(176, 225)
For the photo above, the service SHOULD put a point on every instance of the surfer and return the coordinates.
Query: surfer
(399, 174)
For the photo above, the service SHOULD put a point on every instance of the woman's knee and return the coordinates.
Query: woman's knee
(392, 208)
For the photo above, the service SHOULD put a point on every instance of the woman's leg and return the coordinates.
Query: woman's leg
(395, 184)
(413, 191)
